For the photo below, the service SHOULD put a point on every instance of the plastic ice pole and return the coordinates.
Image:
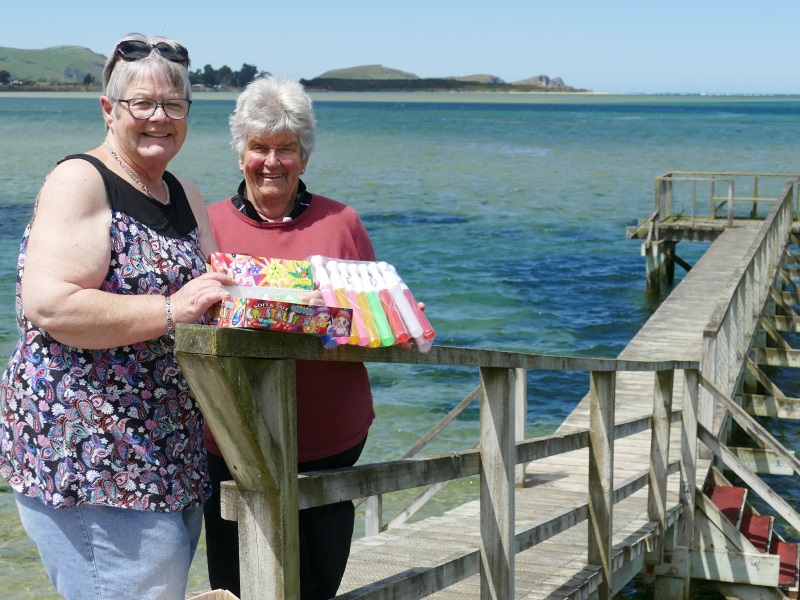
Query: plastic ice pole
(396, 324)
(409, 318)
(416, 330)
(353, 284)
(321, 275)
(357, 326)
(361, 331)
(427, 331)
(381, 322)
(328, 295)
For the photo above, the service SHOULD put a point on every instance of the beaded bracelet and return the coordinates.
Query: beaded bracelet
(170, 323)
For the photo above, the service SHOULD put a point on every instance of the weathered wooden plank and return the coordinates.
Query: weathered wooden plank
(316, 489)
(520, 387)
(601, 476)
(250, 406)
(761, 461)
(752, 481)
(759, 405)
(417, 582)
(713, 530)
(659, 459)
(760, 435)
(498, 453)
(732, 567)
(779, 357)
(232, 342)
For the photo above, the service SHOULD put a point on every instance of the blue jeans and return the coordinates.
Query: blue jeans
(100, 553)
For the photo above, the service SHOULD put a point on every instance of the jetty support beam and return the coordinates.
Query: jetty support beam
(601, 475)
(250, 405)
(497, 473)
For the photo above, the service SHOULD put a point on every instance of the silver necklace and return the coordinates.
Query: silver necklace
(138, 181)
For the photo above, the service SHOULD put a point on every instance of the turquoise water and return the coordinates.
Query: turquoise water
(505, 214)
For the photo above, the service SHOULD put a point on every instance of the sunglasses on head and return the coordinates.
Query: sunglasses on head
(137, 49)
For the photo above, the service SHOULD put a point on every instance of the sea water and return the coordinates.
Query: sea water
(504, 213)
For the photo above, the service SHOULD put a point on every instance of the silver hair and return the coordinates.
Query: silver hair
(272, 105)
(118, 73)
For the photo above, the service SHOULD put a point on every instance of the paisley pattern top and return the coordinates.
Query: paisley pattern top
(115, 427)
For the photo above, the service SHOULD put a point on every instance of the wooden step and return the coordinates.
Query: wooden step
(789, 565)
(730, 500)
(757, 529)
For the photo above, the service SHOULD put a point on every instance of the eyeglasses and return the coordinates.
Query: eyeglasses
(137, 49)
(144, 108)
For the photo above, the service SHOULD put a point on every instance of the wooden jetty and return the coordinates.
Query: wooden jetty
(635, 478)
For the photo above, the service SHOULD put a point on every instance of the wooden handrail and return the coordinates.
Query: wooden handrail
(231, 372)
(316, 488)
(251, 344)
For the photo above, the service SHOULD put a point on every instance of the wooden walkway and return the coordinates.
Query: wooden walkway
(557, 567)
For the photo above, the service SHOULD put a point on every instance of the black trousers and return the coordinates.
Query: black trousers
(325, 534)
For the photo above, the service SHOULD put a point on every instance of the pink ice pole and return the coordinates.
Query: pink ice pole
(321, 275)
(357, 330)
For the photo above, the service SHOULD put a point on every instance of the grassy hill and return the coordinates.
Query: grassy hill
(367, 72)
(59, 64)
(377, 78)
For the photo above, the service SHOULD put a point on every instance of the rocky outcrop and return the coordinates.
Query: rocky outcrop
(544, 81)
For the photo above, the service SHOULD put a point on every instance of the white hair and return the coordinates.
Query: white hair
(271, 105)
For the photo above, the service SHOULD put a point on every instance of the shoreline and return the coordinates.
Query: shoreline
(589, 97)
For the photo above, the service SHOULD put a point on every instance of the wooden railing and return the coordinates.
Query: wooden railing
(244, 383)
(728, 337)
(717, 193)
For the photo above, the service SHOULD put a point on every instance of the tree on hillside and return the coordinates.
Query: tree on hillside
(5, 77)
(224, 75)
(89, 79)
(244, 75)
(211, 77)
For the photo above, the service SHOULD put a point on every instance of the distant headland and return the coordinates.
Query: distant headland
(75, 68)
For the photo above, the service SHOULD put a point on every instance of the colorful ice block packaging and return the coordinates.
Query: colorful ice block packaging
(269, 295)
(384, 310)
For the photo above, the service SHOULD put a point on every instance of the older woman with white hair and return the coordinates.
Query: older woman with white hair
(274, 215)
(100, 438)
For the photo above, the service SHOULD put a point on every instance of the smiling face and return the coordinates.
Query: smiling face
(145, 144)
(272, 166)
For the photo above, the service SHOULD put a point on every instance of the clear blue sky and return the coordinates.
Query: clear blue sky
(681, 46)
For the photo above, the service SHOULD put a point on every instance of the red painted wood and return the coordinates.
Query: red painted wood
(730, 500)
(788, 553)
(757, 529)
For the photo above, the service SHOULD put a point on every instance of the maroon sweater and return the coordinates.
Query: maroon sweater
(334, 401)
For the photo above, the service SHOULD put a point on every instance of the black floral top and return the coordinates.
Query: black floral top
(115, 427)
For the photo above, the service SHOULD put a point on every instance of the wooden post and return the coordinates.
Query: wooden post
(373, 515)
(659, 459)
(668, 262)
(653, 261)
(688, 472)
(250, 405)
(498, 455)
(521, 417)
(673, 581)
(730, 202)
(601, 474)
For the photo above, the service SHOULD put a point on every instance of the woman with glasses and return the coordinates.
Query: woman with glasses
(100, 438)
